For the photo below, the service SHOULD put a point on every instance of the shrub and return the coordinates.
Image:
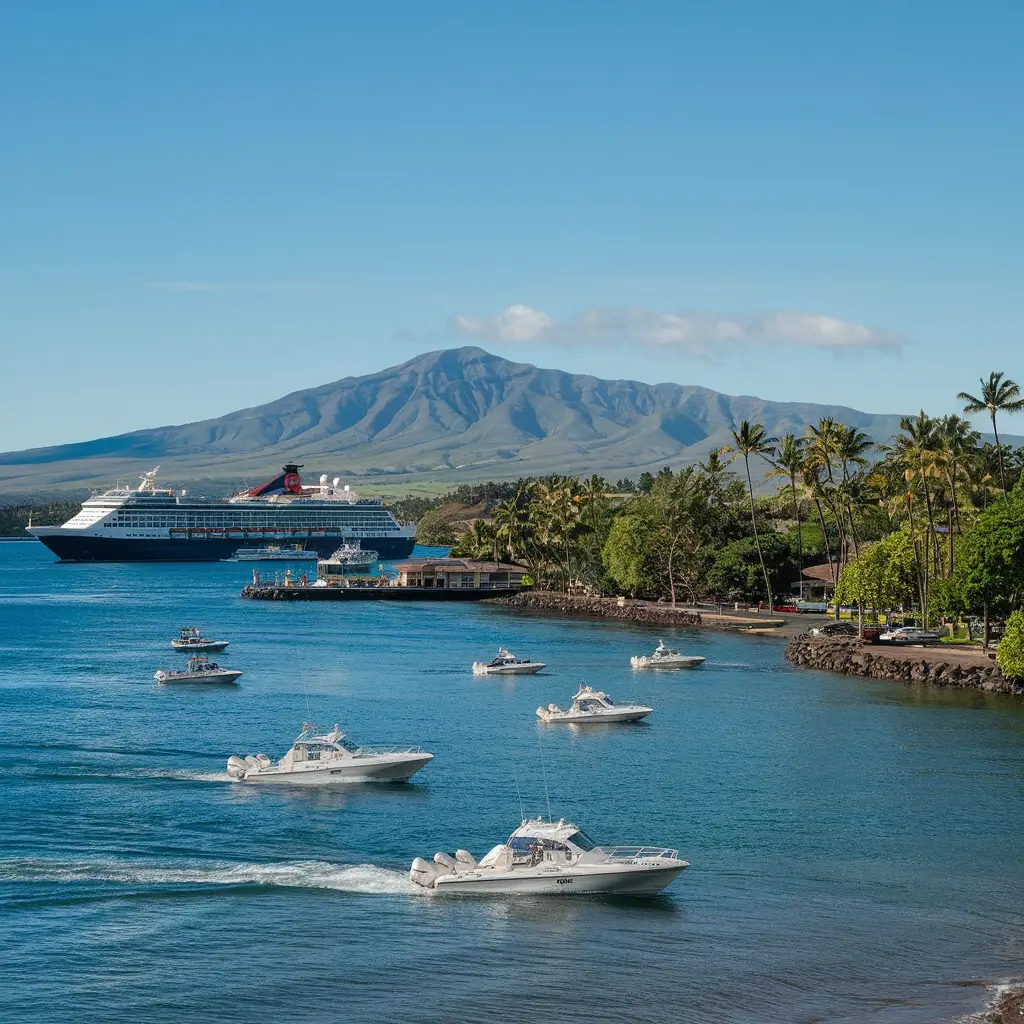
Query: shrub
(1010, 652)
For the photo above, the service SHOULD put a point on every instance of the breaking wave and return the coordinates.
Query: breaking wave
(354, 878)
(1006, 1003)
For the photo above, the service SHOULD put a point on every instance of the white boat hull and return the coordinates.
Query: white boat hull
(222, 676)
(562, 881)
(332, 773)
(594, 718)
(667, 663)
(525, 669)
(213, 645)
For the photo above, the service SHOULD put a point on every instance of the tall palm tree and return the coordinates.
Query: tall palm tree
(958, 448)
(750, 440)
(821, 455)
(997, 395)
(851, 448)
(788, 460)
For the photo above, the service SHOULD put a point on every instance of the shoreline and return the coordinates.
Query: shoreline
(651, 613)
(848, 656)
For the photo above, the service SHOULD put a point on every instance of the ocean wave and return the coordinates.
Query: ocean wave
(355, 878)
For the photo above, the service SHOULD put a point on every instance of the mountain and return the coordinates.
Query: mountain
(448, 416)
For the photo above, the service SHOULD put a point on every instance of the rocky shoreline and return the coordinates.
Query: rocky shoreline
(600, 607)
(849, 657)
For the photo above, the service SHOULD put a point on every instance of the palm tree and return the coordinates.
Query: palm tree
(851, 448)
(958, 447)
(750, 440)
(788, 461)
(820, 454)
(997, 395)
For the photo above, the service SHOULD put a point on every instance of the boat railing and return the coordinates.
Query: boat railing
(377, 751)
(637, 852)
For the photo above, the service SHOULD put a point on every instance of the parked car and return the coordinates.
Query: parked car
(908, 635)
(812, 606)
(835, 629)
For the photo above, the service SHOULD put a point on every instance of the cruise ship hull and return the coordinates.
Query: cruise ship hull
(84, 547)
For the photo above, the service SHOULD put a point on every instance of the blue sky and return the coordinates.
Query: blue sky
(205, 206)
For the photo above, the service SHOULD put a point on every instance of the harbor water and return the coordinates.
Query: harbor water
(855, 847)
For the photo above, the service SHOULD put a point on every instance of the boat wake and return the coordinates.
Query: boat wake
(354, 878)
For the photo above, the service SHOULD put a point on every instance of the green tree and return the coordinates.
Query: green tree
(1010, 652)
(997, 395)
(752, 571)
(750, 440)
(629, 551)
(788, 461)
(435, 530)
(646, 483)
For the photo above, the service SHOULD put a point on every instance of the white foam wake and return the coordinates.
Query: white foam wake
(357, 878)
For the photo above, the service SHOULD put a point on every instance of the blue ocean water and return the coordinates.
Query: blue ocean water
(855, 847)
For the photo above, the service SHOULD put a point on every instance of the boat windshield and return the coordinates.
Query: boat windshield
(582, 841)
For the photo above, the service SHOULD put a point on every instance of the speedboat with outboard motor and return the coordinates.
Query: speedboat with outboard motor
(199, 670)
(192, 640)
(666, 657)
(549, 857)
(320, 758)
(507, 664)
(590, 705)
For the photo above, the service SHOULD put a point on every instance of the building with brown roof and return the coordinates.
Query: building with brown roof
(459, 573)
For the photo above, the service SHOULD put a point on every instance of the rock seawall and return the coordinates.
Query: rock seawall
(848, 657)
(600, 607)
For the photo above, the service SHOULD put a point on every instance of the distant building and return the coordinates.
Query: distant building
(459, 573)
(818, 580)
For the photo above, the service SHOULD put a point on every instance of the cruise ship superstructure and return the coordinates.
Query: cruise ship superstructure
(153, 524)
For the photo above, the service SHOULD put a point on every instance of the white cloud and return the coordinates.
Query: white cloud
(702, 332)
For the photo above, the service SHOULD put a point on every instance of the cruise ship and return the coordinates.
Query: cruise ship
(153, 524)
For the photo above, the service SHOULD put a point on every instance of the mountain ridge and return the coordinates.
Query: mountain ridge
(450, 415)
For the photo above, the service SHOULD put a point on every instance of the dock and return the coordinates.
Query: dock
(280, 592)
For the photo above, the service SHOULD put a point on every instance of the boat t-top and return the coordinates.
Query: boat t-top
(320, 758)
(590, 705)
(551, 857)
(199, 670)
(191, 639)
(665, 657)
(507, 664)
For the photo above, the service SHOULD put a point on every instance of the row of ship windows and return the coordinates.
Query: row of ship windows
(356, 523)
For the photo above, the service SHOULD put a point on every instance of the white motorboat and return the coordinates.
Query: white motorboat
(320, 758)
(275, 553)
(192, 640)
(665, 657)
(199, 670)
(507, 664)
(590, 706)
(551, 857)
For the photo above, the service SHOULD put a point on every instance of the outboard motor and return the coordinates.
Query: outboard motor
(465, 858)
(423, 873)
(444, 860)
(237, 767)
(252, 760)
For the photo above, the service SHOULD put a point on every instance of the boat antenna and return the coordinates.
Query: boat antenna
(305, 690)
(544, 773)
(515, 775)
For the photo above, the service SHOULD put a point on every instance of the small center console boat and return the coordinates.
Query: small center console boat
(589, 705)
(191, 639)
(665, 657)
(199, 670)
(507, 664)
(549, 857)
(320, 758)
